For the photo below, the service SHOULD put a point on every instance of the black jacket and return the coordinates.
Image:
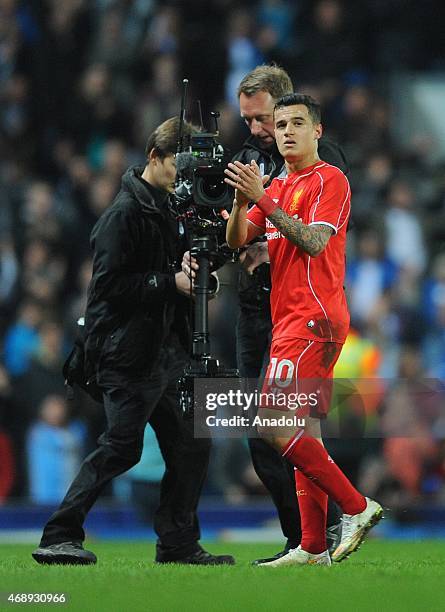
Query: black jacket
(133, 307)
(254, 289)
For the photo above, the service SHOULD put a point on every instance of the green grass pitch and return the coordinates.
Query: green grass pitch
(383, 575)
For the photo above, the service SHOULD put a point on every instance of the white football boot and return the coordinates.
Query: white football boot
(355, 527)
(298, 556)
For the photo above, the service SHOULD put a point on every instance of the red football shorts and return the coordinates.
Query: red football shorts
(301, 371)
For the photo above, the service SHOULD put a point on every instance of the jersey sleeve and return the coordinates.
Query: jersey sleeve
(256, 216)
(332, 201)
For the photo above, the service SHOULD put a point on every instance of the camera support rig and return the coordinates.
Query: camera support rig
(201, 190)
(202, 365)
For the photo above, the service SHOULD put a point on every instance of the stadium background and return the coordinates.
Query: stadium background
(82, 84)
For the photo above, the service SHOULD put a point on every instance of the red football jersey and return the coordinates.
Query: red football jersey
(308, 299)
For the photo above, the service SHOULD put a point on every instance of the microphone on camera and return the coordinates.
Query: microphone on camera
(185, 161)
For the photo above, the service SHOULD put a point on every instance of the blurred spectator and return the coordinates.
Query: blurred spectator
(16, 116)
(363, 123)
(7, 468)
(114, 49)
(8, 445)
(43, 376)
(434, 309)
(9, 274)
(369, 277)
(360, 358)
(57, 57)
(356, 397)
(434, 291)
(332, 42)
(163, 32)
(399, 42)
(370, 190)
(13, 423)
(22, 338)
(411, 408)
(38, 216)
(242, 52)
(95, 113)
(158, 99)
(276, 22)
(54, 450)
(405, 244)
(409, 470)
(43, 272)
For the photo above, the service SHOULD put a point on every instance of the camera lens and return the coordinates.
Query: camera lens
(210, 189)
(213, 189)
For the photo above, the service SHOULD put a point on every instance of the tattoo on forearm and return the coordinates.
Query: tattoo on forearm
(312, 239)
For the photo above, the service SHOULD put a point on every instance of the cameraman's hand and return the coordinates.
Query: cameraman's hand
(255, 255)
(247, 181)
(189, 265)
(183, 284)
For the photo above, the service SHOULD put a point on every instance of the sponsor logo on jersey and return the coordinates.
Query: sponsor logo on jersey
(274, 234)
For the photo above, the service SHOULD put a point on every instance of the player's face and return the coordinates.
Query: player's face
(164, 173)
(257, 112)
(295, 133)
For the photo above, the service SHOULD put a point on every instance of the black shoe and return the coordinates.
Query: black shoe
(65, 553)
(202, 557)
(268, 560)
(333, 536)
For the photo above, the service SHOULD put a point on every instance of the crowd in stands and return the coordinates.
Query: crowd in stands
(83, 83)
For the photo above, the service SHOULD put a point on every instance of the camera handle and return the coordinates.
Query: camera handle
(202, 249)
(202, 365)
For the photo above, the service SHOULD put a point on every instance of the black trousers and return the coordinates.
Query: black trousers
(129, 404)
(253, 337)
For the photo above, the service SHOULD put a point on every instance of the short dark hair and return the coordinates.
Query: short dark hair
(164, 140)
(267, 77)
(296, 98)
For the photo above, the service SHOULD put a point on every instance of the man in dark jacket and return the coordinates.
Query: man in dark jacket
(136, 340)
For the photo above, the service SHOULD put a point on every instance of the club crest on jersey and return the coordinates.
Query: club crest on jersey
(296, 197)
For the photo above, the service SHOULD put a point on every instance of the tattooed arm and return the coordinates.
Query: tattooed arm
(312, 239)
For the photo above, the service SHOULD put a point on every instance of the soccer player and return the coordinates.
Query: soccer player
(257, 94)
(304, 216)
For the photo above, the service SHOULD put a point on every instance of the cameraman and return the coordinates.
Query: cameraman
(136, 341)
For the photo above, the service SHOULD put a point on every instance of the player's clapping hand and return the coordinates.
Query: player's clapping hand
(247, 181)
(189, 265)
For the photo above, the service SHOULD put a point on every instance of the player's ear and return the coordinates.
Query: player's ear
(318, 131)
(153, 156)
